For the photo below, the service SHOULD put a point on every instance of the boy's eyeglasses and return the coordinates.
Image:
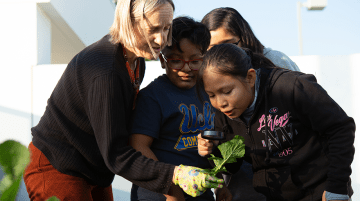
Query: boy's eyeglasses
(237, 43)
(178, 64)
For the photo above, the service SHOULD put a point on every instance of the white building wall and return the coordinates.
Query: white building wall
(334, 73)
(62, 49)
(43, 36)
(93, 17)
(64, 41)
(41, 32)
(38, 32)
(18, 53)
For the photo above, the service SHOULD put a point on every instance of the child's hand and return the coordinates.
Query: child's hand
(205, 146)
(324, 198)
(223, 194)
(194, 181)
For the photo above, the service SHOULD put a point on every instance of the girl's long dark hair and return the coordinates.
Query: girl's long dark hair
(229, 59)
(234, 23)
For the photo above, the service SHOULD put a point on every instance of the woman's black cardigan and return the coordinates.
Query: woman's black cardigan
(85, 128)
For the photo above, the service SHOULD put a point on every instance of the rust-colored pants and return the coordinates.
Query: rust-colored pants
(43, 181)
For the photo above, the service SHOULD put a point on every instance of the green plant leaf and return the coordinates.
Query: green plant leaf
(217, 160)
(233, 149)
(14, 158)
(53, 198)
(11, 191)
(230, 151)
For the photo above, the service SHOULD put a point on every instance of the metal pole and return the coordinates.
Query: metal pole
(299, 27)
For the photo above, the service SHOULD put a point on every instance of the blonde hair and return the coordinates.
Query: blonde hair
(130, 12)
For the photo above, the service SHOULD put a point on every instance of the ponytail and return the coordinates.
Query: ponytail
(260, 61)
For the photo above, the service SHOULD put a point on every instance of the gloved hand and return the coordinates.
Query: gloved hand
(194, 181)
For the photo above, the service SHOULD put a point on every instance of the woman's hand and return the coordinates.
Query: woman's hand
(223, 194)
(194, 181)
(205, 146)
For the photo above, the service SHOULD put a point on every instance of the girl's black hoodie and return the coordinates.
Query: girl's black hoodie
(307, 145)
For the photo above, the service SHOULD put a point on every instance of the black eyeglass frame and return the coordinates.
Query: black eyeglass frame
(237, 43)
(188, 62)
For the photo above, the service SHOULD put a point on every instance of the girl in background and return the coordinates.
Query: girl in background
(298, 139)
(226, 25)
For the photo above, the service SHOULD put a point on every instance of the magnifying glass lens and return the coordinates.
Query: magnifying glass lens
(213, 135)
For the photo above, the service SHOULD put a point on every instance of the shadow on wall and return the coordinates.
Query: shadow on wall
(14, 112)
(16, 125)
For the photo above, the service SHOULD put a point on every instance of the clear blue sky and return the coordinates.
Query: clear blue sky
(333, 31)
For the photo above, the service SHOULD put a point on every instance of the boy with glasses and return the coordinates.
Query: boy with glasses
(168, 114)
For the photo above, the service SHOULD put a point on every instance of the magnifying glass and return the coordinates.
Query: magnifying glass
(213, 135)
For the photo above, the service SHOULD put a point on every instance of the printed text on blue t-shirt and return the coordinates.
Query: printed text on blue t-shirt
(192, 123)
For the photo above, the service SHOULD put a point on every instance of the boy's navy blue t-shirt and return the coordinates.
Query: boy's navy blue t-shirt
(173, 117)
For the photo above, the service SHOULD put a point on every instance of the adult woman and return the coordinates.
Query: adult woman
(226, 25)
(81, 140)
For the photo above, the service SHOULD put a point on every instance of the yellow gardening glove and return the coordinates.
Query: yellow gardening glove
(194, 181)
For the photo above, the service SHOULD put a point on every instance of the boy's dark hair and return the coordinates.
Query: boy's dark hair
(234, 23)
(230, 59)
(186, 27)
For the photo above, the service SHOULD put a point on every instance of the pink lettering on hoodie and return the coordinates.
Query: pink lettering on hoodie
(274, 122)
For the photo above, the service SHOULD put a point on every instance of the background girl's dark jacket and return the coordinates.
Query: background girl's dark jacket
(85, 128)
(311, 138)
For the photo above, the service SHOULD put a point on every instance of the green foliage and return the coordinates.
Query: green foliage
(53, 198)
(230, 151)
(14, 158)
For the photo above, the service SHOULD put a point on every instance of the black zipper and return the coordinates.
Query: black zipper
(257, 108)
(248, 132)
